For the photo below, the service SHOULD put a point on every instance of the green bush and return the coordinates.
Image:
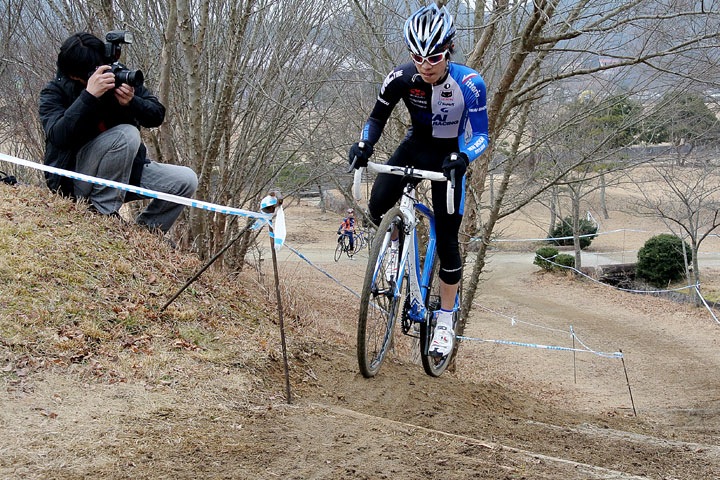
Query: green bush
(564, 229)
(542, 255)
(660, 260)
(564, 260)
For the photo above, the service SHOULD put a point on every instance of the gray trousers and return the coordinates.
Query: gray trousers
(110, 156)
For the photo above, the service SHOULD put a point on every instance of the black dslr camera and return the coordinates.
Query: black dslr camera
(113, 40)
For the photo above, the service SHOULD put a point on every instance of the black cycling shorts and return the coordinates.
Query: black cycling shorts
(387, 190)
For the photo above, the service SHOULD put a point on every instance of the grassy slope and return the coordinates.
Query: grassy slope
(83, 291)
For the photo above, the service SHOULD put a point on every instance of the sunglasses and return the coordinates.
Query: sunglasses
(431, 59)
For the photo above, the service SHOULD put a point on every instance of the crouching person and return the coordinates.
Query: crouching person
(91, 122)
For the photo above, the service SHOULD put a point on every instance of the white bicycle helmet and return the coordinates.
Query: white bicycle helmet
(428, 30)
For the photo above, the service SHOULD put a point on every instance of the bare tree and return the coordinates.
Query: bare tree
(267, 93)
(689, 205)
(241, 81)
(530, 52)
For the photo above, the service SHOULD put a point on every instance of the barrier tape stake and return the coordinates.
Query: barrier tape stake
(288, 393)
(574, 356)
(627, 380)
(207, 265)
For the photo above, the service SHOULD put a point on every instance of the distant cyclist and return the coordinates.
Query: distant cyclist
(347, 227)
(447, 106)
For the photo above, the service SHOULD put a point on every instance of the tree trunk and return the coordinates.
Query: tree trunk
(603, 201)
(576, 228)
(553, 211)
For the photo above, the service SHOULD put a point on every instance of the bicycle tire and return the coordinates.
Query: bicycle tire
(340, 247)
(367, 240)
(433, 365)
(379, 307)
(359, 244)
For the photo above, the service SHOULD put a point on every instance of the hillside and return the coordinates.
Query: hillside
(98, 383)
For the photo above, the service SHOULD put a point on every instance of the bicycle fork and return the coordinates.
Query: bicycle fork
(416, 310)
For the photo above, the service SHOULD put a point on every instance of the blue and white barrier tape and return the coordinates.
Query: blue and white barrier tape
(515, 321)
(262, 217)
(548, 239)
(695, 287)
(545, 347)
(324, 272)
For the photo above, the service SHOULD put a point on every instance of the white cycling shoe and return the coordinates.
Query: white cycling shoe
(442, 342)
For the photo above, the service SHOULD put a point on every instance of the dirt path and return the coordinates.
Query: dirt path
(670, 354)
(508, 412)
(668, 348)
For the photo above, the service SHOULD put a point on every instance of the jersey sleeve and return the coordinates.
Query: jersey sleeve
(146, 108)
(390, 94)
(473, 140)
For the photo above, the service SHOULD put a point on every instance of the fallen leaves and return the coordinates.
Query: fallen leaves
(181, 343)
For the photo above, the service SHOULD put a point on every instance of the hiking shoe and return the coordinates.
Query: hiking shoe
(442, 342)
(392, 264)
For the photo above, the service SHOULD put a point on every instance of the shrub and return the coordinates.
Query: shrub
(564, 260)
(660, 260)
(542, 255)
(564, 229)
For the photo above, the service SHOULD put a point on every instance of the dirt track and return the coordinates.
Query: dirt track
(508, 412)
(524, 412)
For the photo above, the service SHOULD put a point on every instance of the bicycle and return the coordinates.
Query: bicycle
(343, 246)
(363, 238)
(408, 286)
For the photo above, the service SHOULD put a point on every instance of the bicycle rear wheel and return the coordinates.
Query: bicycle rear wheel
(359, 244)
(379, 306)
(433, 365)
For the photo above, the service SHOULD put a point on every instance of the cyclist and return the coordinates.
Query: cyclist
(449, 129)
(347, 227)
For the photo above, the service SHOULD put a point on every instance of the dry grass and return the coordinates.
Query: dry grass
(84, 292)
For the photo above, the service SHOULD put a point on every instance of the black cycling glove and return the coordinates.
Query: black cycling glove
(360, 154)
(455, 161)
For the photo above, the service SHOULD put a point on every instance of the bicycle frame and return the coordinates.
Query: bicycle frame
(402, 288)
(418, 281)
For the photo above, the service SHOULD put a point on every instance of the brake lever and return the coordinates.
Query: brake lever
(352, 165)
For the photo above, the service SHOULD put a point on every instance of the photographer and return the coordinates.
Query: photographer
(91, 120)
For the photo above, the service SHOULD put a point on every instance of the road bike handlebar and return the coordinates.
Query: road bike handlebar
(408, 172)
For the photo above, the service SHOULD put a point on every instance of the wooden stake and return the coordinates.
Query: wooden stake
(206, 266)
(288, 393)
(632, 402)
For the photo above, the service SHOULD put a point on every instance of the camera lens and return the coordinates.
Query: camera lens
(134, 78)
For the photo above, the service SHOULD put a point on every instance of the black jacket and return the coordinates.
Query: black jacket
(71, 117)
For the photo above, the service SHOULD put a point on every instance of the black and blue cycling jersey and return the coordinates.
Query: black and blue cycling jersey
(448, 117)
(455, 108)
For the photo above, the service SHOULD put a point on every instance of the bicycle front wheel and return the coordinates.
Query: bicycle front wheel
(379, 305)
(340, 248)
